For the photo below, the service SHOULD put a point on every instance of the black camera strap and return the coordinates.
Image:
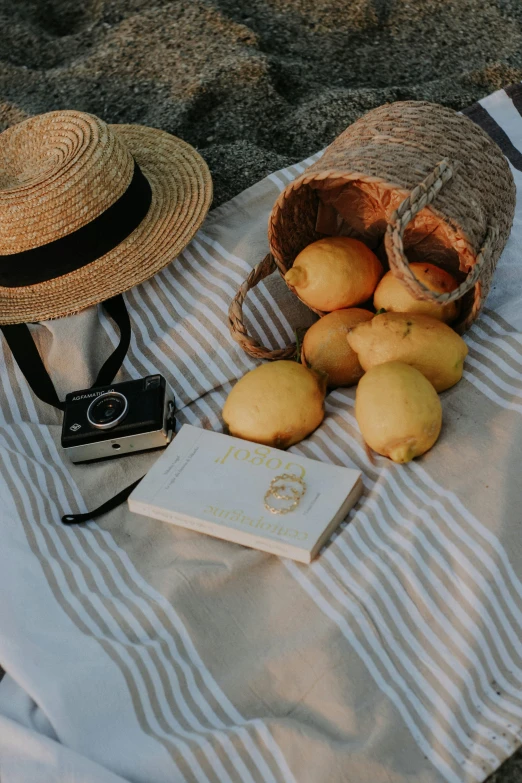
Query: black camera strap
(121, 497)
(25, 352)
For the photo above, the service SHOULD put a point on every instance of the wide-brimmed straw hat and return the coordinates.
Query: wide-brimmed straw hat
(88, 210)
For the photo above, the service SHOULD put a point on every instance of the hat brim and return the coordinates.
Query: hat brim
(181, 196)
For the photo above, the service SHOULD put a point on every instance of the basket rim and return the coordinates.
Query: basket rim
(306, 179)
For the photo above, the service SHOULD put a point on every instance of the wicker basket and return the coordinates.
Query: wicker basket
(414, 181)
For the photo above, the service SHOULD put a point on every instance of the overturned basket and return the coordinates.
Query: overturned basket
(415, 182)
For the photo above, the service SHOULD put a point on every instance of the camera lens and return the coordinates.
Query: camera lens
(107, 410)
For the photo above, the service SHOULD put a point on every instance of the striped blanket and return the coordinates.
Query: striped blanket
(137, 651)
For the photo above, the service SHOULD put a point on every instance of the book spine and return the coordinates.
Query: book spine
(348, 504)
(218, 531)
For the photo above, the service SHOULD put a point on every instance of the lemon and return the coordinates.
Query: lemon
(325, 347)
(398, 411)
(424, 342)
(392, 295)
(334, 273)
(276, 404)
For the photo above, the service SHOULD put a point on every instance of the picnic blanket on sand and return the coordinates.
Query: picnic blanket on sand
(139, 651)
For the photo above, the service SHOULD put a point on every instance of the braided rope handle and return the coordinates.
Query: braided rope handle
(236, 321)
(420, 197)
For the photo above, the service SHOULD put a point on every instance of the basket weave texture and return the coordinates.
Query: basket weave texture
(431, 162)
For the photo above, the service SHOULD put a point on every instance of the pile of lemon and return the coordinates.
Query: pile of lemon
(402, 355)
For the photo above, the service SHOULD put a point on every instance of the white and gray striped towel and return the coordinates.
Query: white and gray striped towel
(141, 652)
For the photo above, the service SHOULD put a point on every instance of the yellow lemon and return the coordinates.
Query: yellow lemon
(392, 295)
(424, 342)
(334, 273)
(398, 411)
(325, 347)
(276, 404)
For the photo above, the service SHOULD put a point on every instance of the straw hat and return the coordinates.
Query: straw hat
(88, 210)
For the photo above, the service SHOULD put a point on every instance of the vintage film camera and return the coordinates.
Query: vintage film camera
(119, 419)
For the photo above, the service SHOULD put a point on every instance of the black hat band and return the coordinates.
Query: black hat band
(84, 245)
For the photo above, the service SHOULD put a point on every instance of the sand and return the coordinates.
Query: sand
(253, 84)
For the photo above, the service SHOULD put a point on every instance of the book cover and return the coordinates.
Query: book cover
(219, 485)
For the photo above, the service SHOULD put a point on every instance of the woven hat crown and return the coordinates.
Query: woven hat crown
(58, 171)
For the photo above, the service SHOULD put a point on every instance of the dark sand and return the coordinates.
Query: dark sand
(258, 84)
(253, 85)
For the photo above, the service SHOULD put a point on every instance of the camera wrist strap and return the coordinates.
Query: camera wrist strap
(25, 352)
(121, 497)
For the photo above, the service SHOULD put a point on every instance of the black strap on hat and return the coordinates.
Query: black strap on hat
(25, 352)
(83, 246)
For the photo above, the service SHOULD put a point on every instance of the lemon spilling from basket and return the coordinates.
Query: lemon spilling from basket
(392, 295)
(419, 340)
(398, 411)
(401, 357)
(334, 273)
(277, 404)
(325, 348)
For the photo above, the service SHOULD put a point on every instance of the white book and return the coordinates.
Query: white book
(216, 484)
